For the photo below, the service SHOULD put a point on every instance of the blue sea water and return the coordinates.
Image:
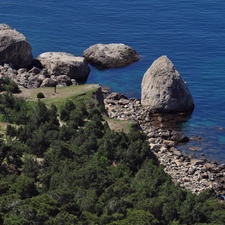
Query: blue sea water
(191, 33)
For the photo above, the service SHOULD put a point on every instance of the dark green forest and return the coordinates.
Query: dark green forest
(65, 166)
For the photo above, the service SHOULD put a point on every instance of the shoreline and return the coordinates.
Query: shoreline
(192, 174)
(195, 175)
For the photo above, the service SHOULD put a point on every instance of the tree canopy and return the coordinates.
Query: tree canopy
(78, 171)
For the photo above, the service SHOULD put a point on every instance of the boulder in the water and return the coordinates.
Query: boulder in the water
(164, 90)
(110, 55)
(14, 48)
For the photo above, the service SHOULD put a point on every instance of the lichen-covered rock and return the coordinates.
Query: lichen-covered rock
(62, 63)
(164, 90)
(14, 48)
(110, 55)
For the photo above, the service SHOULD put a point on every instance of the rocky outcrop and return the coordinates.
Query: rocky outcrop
(186, 171)
(164, 90)
(14, 48)
(62, 63)
(110, 55)
(35, 77)
(99, 97)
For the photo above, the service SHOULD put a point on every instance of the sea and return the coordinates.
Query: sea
(191, 33)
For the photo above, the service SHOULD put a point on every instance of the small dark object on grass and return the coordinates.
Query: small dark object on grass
(40, 95)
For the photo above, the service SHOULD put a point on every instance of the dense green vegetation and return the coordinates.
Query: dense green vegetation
(6, 84)
(65, 166)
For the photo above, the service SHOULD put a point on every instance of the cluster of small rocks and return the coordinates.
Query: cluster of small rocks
(190, 173)
(35, 78)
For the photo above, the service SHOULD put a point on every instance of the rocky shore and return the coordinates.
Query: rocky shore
(163, 90)
(190, 173)
(55, 69)
(34, 78)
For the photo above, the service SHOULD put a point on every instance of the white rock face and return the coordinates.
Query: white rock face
(164, 90)
(110, 55)
(14, 48)
(62, 63)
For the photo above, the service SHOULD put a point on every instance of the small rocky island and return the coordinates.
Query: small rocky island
(163, 91)
(110, 55)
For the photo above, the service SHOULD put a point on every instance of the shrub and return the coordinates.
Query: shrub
(40, 95)
(9, 85)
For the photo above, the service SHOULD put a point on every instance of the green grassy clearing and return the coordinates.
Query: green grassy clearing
(120, 125)
(79, 92)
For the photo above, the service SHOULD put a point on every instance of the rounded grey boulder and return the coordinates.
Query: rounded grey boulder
(110, 55)
(62, 63)
(14, 48)
(164, 90)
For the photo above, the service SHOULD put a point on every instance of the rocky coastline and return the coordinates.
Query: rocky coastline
(195, 175)
(163, 90)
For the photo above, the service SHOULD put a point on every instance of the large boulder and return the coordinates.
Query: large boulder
(164, 90)
(14, 48)
(110, 55)
(62, 63)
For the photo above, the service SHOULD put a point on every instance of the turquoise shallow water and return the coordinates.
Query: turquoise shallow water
(191, 33)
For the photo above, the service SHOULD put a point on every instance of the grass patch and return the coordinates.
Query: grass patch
(76, 93)
(3, 127)
(121, 125)
(58, 97)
